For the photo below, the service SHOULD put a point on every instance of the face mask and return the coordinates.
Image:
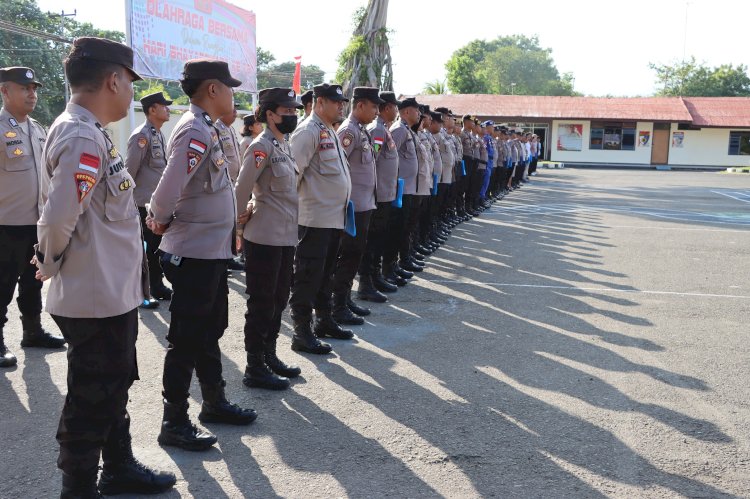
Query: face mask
(288, 123)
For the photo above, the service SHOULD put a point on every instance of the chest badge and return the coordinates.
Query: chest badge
(11, 135)
(18, 152)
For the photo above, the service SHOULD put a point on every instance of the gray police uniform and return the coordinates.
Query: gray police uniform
(268, 175)
(145, 161)
(324, 188)
(408, 169)
(195, 198)
(231, 147)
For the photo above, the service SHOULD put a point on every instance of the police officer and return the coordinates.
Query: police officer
(470, 160)
(21, 195)
(324, 186)
(145, 161)
(269, 175)
(358, 147)
(194, 207)
(307, 102)
(424, 192)
(231, 146)
(386, 169)
(90, 245)
(436, 123)
(408, 168)
(251, 128)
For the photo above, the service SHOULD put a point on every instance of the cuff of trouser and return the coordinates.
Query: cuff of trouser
(48, 269)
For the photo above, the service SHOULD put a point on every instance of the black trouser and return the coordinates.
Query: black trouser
(471, 168)
(411, 204)
(152, 251)
(200, 310)
(101, 368)
(376, 237)
(520, 169)
(395, 230)
(314, 262)
(350, 254)
(16, 249)
(533, 165)
(425, 219)
(442, 199)
(268, 276)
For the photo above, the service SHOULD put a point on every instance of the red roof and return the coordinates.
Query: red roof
(719, 111)
(700, 111)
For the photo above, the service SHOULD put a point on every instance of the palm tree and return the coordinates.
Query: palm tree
(436, 87)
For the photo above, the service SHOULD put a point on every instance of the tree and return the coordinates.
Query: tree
(366, 61)
(690, 78)
(281, 75)
(437, 87)
(509, 64)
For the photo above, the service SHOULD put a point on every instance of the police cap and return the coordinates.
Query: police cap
(209, 69)
(332, 92)
(390, 98)
(20, 75)
(369, 93)
(409, 102)
(306, 98)
(103, 50)
(282, 97)
(155, 98)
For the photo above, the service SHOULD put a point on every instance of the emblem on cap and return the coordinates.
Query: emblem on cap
(291, 93)
(338, 91)
(29, 74)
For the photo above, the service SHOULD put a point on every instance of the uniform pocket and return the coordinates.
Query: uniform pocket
(118, 203)
(281, 180)
(329, 162)
(17, 157)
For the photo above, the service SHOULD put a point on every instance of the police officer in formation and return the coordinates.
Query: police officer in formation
(90, 247)
(309, 205)
(22, 185)
(145, 161)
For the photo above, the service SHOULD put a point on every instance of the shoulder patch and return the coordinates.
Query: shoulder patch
(142, 142)
(89, 162)
(193, 159)
(84, 183)
(259, 157)
(197, 145)
(347, 139)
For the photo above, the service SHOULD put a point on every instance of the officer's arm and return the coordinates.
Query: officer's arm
(77, 166)
(138, 145)
(190, 150)
(399, 134)
(253, 163)
(348, 140)
(304, 145)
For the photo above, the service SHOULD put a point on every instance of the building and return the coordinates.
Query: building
(674, 131)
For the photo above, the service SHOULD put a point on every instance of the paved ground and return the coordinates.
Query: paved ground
(587, 337)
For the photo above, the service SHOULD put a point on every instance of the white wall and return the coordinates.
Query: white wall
(640, 156)
(707, 146)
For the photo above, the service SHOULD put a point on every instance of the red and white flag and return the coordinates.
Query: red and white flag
(297, 82)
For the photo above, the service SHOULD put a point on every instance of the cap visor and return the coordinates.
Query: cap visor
(291, 103)
(136, 76)
(167, 102)
(231, 82)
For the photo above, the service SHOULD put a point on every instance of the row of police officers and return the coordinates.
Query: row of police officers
(307, 207)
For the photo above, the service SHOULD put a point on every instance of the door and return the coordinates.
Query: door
(660, 144)
(541, 132)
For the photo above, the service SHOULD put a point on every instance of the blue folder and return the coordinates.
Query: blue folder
(350, 227)
(435, 179)
(463, 167)
(396, 203)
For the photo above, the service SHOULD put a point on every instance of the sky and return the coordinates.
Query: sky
(606, 45)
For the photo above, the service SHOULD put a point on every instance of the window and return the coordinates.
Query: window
(739, 143)
(612, 136)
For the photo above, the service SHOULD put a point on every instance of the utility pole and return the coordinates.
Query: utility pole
(63, 15)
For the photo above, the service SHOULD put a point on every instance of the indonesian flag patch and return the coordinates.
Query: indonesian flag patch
(377, 143)
(193, 160)
(89, 162)
(84, 183)
(197, 145)
(259, 157)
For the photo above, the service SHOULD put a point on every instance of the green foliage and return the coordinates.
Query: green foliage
(44, 56)
(690, 78)
(509, 64)
(357, 48)
(437, 87)
(282, 75)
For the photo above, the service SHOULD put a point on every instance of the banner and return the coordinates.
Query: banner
(644, 138)
(166, 33)
(569, 137)
(678, 138)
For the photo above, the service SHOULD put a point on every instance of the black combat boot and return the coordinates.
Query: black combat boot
(122, 473)
(409, 266)
(276, 364)
(341, 312)
(380, 282)
(356, 308)
(80, 486)
(217, 409)
(7, 359)
(34, 334)
(325, 325)
(178, 431)
(390, 275)
(160, 291)
(367, 291)
(401, 272)
(258, 375)
(304, 340)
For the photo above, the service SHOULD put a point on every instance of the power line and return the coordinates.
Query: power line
(32, 32)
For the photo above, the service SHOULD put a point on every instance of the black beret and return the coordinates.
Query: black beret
(103, 50)
(443, 110)
(18, 74)
(283, 97)
(390, 98)
(306, 98)
(409, 102)
(155, 98)
(333, 92)
(209, 69)
(369, 93)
